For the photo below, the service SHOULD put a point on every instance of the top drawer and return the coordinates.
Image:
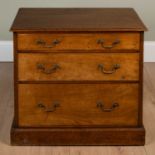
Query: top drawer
(78, 41)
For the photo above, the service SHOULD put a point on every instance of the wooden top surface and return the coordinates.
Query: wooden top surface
(77, 19)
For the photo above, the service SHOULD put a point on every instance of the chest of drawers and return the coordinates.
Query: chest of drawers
(78, 77)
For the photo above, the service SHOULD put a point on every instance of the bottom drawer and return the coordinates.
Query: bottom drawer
(78, 105)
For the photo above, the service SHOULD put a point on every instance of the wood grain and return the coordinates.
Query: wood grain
(78, 67)
(76, 136)
(77, 19)
(78, 104)
(78, 41)
(123, 34)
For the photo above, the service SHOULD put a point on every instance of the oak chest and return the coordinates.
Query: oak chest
(78, 77)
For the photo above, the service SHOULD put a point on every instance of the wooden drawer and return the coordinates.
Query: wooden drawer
(78, 104)
(74, 67)
(79, 41)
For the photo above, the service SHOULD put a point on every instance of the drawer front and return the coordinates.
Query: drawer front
(95, 41)
(77, 67)
(78, 104)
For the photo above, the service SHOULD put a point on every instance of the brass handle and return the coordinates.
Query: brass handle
(113, 69)
(51, 70)
(49, 109)
(45, 45)
(102, 43)
(100, 105)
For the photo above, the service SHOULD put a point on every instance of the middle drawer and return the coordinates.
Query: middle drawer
(78, 67)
